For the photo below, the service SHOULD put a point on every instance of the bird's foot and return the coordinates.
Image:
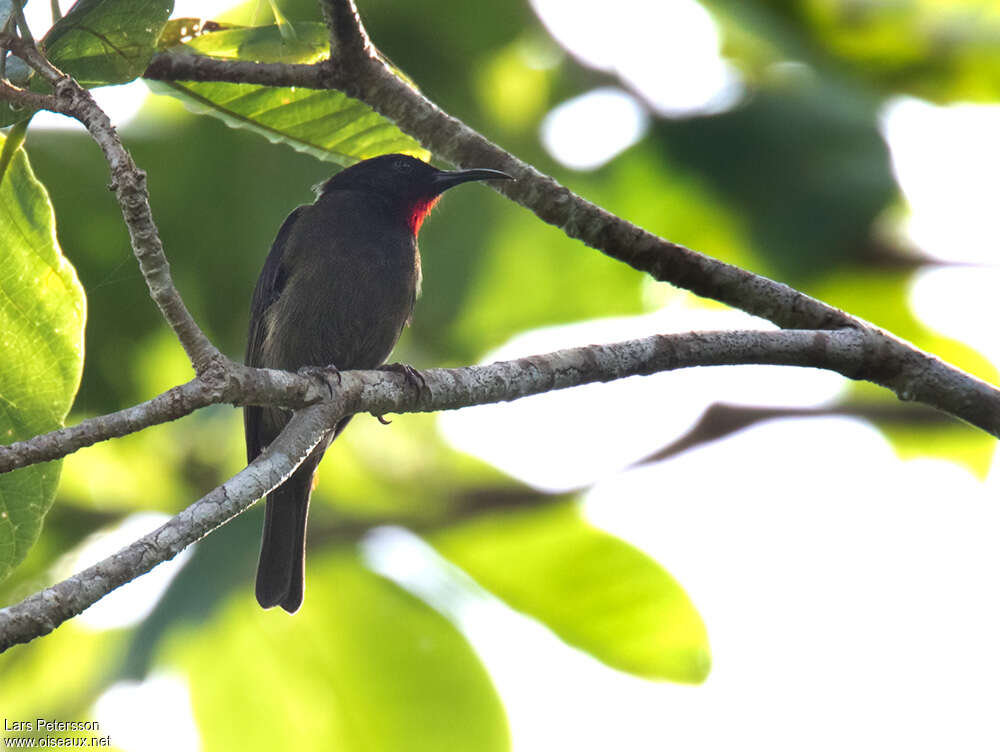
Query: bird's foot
(324, 374)
(411, 374)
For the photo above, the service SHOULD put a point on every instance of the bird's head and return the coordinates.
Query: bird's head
(414, 184)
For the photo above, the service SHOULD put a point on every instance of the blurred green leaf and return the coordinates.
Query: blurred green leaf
(404, 471)
(220, 564)
(938, 51)
(325, 124)
(942, 51)
(59, 675)
(180, 30)
(803, 163)
(100, 42)
(513, 89)
(364, 666)
(532, 275)
(593, 590)
(42, 313)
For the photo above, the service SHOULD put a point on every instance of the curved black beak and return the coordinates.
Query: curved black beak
(445, 179)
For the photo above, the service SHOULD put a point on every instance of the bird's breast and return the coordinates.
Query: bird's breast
(349, 292)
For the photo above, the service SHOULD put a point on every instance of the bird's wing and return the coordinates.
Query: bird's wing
(269, 286)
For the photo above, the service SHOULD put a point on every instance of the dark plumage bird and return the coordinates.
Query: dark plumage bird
(336, 290)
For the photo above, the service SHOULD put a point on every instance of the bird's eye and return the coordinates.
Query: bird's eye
(402, 165)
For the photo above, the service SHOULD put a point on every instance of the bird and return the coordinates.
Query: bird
(335, 291)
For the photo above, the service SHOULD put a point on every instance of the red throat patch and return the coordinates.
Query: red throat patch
(419, 212)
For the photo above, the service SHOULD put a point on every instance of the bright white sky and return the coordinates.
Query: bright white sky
(850, 597)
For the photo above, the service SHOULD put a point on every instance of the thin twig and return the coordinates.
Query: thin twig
(348, 38)
(22, 23)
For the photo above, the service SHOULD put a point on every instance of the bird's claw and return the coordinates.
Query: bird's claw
(382, 419)
(411, 374)
(323, 374)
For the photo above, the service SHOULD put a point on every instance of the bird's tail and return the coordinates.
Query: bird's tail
(280, 572)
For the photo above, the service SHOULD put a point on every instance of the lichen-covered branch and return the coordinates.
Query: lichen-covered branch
(42, 612)
(379, 392)
(129, 184)
(233, 383)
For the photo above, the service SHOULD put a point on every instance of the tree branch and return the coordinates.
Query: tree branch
(379, 392)
(818, 335)
(363, 75)
(348, 38)
(182, 66)
(906, 370)
(129, 184)
(844, 351)
(42, 612)
(229, 382)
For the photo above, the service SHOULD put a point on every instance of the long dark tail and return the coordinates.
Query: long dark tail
(281, 570)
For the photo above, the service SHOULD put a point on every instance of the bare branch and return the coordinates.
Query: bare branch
(229, 383)
(129, 184)
(171, 405)
(348, 38)
(379, 392)
(377, 86)
(848, 352)
(451, 388)
(42, 612)
(178, 66)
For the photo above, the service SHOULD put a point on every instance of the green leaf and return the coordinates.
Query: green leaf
(938, 51)
(827, 171)
(60, 675)
(328, 125)
(942, 51)
(42, 313)
(363, 666)
(100, 42)
(593, 590)
(12, 144)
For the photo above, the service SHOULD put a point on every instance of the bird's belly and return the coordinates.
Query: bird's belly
(351, 321)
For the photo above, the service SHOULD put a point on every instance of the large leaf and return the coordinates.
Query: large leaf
(101, 42)
(58, 676)
(364, 666)
(42, 312)
(593, 590)
(328, 125)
